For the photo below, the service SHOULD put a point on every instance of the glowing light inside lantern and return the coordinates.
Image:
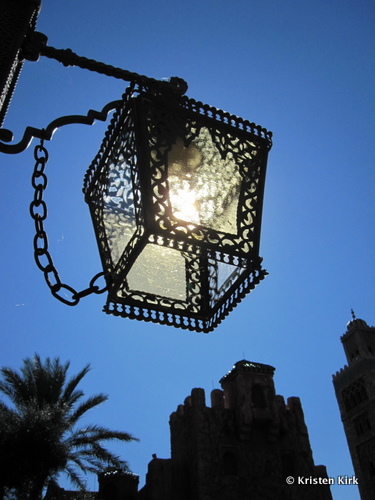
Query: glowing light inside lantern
(184, 203)
(203, 186)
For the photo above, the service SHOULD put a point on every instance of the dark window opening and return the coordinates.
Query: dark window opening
(362, 424)
(354, 395)
(257, 396)
(230, 463)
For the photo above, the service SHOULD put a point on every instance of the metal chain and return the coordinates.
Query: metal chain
(43, 259)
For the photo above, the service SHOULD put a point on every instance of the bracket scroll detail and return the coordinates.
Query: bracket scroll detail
(47, 133)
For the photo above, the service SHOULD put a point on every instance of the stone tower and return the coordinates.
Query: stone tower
(355, 391)
(117, 484)
(244, 446)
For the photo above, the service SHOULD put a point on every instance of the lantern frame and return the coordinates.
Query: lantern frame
(220, 266)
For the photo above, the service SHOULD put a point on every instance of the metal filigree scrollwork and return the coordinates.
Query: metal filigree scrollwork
(47, 133)
(177, 199)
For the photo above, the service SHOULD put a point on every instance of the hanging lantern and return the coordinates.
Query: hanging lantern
(175, 194)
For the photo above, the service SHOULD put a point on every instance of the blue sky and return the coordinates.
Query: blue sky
(304, 70)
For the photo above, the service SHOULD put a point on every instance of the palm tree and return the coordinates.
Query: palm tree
(38, 434)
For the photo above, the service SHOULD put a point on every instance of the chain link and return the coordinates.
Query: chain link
(43, 258)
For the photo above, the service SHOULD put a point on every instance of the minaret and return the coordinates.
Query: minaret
(355, 391)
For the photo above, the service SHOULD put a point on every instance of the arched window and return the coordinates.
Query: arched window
(355, 394)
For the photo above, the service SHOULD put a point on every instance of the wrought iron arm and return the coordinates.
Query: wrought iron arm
(48, 132)
(36, 45)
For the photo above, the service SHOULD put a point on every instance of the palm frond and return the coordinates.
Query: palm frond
(6, 411)
(41, 421)
(77, 459)
(86, 406)
(95, 433)
(14, 387)
(75, 478)
(72, 384)
(86, 462)
(47, 379)
(97, 453)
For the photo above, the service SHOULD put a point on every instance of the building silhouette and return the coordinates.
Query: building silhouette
(249, 444)
(355, 391)
(114, 484)
(243, 447)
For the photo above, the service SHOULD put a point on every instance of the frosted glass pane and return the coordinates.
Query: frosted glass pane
(223, 276)
(118, 211)
(204, 187)
(159, 271)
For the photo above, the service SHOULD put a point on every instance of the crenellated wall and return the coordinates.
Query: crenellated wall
(242, 446)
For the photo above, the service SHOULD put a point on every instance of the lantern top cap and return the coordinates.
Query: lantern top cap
(183, 103)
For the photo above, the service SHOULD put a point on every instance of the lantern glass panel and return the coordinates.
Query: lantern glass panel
(224, 273)
(203, 187)
(116, 198)
(159, 271)
(222, 277)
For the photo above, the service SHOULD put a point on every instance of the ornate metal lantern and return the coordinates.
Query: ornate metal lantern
(175, 194)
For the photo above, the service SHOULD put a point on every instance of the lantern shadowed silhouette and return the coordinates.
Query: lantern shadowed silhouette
(176, 195)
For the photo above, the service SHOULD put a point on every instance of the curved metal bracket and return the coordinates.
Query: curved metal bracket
(47, 133)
